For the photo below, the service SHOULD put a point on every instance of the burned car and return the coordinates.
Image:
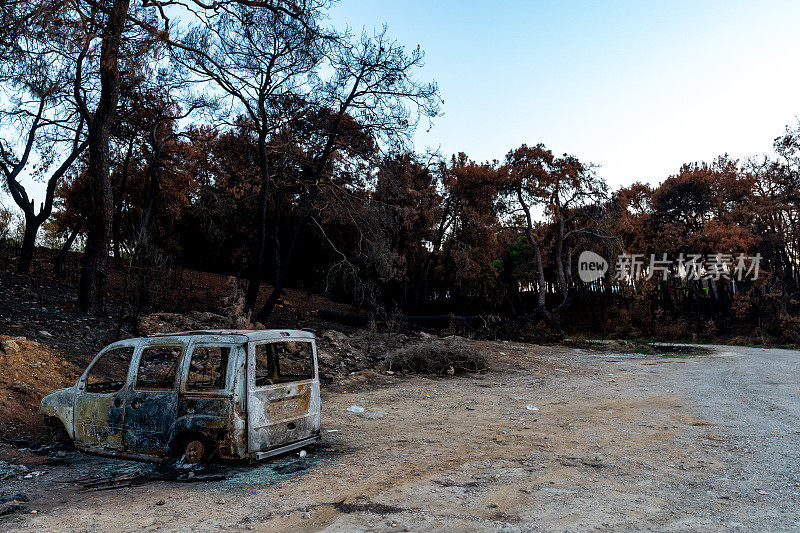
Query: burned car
(198, 395)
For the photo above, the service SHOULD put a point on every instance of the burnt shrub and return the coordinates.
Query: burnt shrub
(789, 329)
(437, 356)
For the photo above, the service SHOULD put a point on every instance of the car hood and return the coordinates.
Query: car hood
(57, 399)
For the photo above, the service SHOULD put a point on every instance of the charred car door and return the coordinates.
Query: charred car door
(283, 393)
(152, 398)
(99, 408)
(210, 402)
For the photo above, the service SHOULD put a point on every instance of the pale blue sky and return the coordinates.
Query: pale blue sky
(638, 87)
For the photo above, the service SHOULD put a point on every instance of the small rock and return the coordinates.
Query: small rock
(44, 333)
(21, 387)
(303, 453)
(355, 409)
(306, 516)
(531, 407)
(9, 346)
(221, 501)
(161, 502)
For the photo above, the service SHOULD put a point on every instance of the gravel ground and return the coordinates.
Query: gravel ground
(551, 439)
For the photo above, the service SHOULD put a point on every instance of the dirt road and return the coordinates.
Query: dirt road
(619, 442)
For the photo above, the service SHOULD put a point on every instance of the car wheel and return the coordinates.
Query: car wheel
(194, 452)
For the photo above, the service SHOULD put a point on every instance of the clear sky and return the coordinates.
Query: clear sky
(637, 87)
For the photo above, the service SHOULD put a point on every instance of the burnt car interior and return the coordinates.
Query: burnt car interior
(208, 368)
(283, 362)
(110, 372)
(158, 367)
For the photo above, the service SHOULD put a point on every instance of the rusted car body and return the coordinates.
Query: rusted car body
(233, 394)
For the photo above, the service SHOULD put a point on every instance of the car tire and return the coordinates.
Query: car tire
(195, 452)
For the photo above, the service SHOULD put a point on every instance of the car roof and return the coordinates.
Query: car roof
(248, 334)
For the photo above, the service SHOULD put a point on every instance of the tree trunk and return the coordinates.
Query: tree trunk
(559, 261)
(115, 224)
(92, 286)
(552, 317)
(280, 276)
(307, 203)
(25, 260)
(153, 186)
(276, 252)
(58, 266)
(145, 260)
(542, 293)
(422, 273)
(145, 250)
(257, 260)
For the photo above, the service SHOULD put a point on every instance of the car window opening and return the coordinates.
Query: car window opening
(208, 369)
(158, 367)
(283, 362)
